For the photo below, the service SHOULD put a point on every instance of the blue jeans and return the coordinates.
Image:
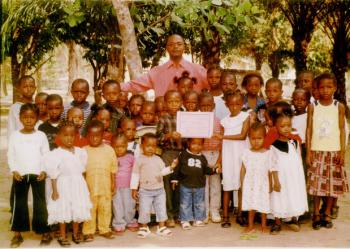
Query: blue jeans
(192, 204)
(149, 197)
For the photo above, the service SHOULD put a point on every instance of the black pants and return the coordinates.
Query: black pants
(20, 212)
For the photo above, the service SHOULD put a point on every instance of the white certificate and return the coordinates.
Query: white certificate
(195, 124)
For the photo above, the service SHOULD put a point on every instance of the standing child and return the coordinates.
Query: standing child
(213, 77)
(135, 105)
(147, 175)
(123, 203)
(252, 83)
(305, 79)
(185, 83)
(160, 107)
(325, 143)
(25, 151)
(236, 127)
(212, 152)
(171, 143)
(228, 84)
(104, 116)
(128, 127)
(79, 91)
(190, 173)
(257, 165)
(148, 116)
(100, 174)
(40, 102)
(70, 199)
(191, 101)
(273, 91)
(123, 103)
(291, 200)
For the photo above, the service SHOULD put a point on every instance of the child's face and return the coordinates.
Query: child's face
(67, 135)
(129, 129)
(326, 88)
(105, 117)
(76, 115)
(173, 103)
(120, 146)
(160, 104)
(206, 105)
(80, 91)
(148, 114)
(54, 110)
(234, 104)
(27, 88)
(256, 139)
(135, 106)
(94, 136)
(123, 100)
(253, 86)
(111, 93)
(195, 145)
(273, 92)
(315, 93)
(305, 81)
(228, 83)
(184, 86)
(28, 119)
(191, 103)
(213, 78)
(299, 102)
(284, 126)
(149, 146)
(40, 102)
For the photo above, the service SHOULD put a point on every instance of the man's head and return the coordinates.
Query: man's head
(175, 46)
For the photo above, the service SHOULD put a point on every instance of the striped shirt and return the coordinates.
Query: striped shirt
(85, 107)
(167, 124)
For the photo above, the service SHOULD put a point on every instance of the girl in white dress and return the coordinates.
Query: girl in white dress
(291, 200)
(70, 200)
(257, 165)
(236, 127)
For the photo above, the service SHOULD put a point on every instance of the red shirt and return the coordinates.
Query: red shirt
(272, 136)
(79, 141)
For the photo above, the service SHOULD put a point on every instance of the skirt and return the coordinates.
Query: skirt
(326, 176)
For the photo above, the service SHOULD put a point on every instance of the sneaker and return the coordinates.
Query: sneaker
(198, 223)
(16, 241)
(185, 225)
(215, 217)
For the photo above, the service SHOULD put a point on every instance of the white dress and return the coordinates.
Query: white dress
(74, 202)
(299, 123)
(255, 190)
(232, 150)
(291, 201)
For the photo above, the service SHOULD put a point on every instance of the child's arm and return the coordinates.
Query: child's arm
(242, 175)
(310, 111)
(242, 135)
(55, 194)
(342, 133)
(135, 179)
(113, 183)
(276, 182)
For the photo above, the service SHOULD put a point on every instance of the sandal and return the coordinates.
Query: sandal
(326, 223)
(45, 239)
(76, 239)
(334, 213)
(63, 242)
(16, 241)
(316, 222)
(226, 222)
(88, 237)
(163, 231)
(143, 232)
(275, 229)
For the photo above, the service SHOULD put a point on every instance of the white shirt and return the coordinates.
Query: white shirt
(221, 109)
(299, 123)
(25, 152)
(13, 123)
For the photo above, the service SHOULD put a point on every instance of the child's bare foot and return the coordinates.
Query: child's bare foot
(265, 229)
(248, 230)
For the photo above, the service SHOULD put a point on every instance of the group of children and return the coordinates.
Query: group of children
(109, 167)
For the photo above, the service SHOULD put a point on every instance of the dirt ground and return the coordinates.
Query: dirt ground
(211, 235)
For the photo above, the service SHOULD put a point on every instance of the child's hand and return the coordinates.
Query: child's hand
(55, 195)
(17, 176)
(176, 135)
(277, 187)
(218, 170)
(41, 176)
(135, 194)
(174, 164)
(173, 185)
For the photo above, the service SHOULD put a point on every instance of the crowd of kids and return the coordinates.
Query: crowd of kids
(121, 165)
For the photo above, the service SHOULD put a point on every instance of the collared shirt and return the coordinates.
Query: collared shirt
(85, 107)
(167, 124)
(161, 78)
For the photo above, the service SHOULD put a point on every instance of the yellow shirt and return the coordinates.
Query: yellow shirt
(101, 163)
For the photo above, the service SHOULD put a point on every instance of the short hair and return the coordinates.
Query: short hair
(189, 140)
(29, 107)
(248, 76)
(119, 136)
(257, 126)
(184, 75)
(124, 120)
(54, 97)
(326, 76)
(95, 124)
(149, 103)
(279, 109)
(305, 72)
(274, 80)
(148, 135)
(137, 96)
(65, 123)
(83, 81)
(205, 95)
(175, 35)
(189, 93)
(231, 94)
(110, 82)
(42, 94)
(170, 92)
(74, 108)
(226, 73)
(95, 109)
(214, 67)
(24, 78)
(302, 90)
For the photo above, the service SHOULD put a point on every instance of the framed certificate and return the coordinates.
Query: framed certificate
(195, 124)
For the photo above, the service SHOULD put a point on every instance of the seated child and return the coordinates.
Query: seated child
(148, 187)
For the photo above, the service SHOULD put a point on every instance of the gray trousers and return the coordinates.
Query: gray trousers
(123, 209)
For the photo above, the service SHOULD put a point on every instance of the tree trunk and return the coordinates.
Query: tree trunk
(258, 61)
(274, 62)
(300, 54)
(210, 51)
(15, 75)
(116, 65)
(127, 32)
(73, 63)
(38, 79)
